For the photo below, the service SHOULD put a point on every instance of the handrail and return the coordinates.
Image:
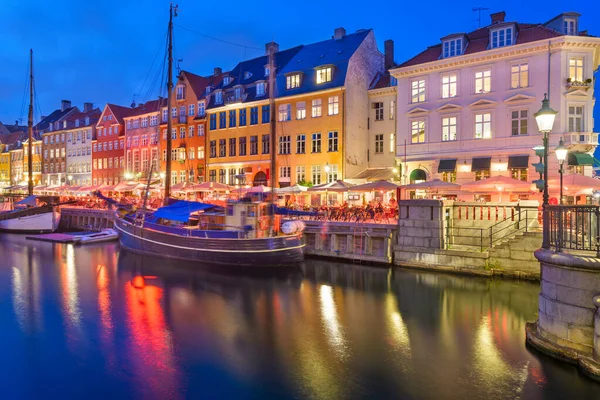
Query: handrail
(512, 233)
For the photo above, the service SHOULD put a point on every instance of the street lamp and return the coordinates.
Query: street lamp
(545, 120)
(70, 177)
(561, 154)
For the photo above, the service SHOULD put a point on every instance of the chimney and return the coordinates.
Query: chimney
(498, 17)
(64, 104)
(88, 107)
(339, 33)
(388, 47)
(218, 71)
(43, 117)
(16, 122)
(271, 48)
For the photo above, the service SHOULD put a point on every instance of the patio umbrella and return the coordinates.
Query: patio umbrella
(434, 184)
(576, 183)
(211, 187)
(497, 184)
(106, 188)
(335, 186)
(181, 186)
(296, 189)
(260, 189)
(375, 186)
(126, 186)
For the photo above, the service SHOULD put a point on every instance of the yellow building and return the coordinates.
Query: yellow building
(4, 166)
(321, 110)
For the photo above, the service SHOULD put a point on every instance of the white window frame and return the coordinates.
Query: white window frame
(519, 75)
(317, 110)
(480, 123)
(449, 85)
(452, 47)
(483, 81)
(519, 119)
(333, 105)
(449, 128)
(292, 81)
(324, 75)
(574, 116)
(418, 89)
(301, 110)
(576, 70)
(502, 37)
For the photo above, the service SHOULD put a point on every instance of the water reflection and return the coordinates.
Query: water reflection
(148, 329)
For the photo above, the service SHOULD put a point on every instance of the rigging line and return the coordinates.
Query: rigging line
(217, 39)
(26, 88)
(152, 64)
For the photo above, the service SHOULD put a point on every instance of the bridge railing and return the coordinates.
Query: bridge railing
(572, 228)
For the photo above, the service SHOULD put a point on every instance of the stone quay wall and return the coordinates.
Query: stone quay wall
(85, 218)
(568, 325)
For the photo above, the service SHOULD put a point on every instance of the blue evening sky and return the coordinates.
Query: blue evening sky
(102, 51)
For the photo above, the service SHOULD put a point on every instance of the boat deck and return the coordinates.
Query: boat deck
(53, 237)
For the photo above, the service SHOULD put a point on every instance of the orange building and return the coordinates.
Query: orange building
(188, 146)
(108, 151)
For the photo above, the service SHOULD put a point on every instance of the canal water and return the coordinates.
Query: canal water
(96, 323)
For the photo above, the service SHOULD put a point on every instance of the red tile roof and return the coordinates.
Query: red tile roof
(148, 107)
(199, 83)
(119, 112)
(478, 41)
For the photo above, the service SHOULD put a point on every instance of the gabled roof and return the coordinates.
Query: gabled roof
(119, 112)
(478, 41)
(55, 116)
(381, 80)
(336, 52)
(148, 107)
(94, 116)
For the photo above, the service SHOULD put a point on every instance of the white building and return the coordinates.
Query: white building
(80, 131)
(466, 105)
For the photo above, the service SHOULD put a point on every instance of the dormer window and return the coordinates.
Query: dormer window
(238, 93)
(570, 26)
(261, 89)
(502, 37)
(180, 92)
(247, 75)
(87, 120)
(218, 97)
(64, 124)
(208, 89)
(76, 123)
(293, 81)
(324, 75)
(453, 47)
(226, 81)
(266, 70)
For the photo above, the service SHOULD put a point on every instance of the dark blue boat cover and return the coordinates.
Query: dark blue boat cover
(181, 210)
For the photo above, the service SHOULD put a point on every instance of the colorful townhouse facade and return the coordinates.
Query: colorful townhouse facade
(466, 105)
(321, 109)
(142, 144)
(188, 135)
(51, 129)
(36, 159)
(80, 132)
(10, 137)
(108, 150)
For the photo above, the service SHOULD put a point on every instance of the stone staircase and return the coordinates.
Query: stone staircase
(515, 254)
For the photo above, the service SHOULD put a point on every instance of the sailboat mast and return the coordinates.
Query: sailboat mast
(273, 132)
(30, 127)
(169, 107)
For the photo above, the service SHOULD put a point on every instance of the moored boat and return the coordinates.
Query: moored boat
(29, 217)
(106, 235)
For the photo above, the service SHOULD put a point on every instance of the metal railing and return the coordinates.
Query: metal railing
(572, 228)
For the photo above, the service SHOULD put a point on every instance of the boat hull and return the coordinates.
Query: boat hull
(279, 251)
(45, 222)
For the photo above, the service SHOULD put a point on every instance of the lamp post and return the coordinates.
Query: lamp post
(545, 120)
(561, 155)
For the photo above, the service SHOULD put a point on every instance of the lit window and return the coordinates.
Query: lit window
(483, 126)
(285, 112)
(323, 75)
(453, 48)
(501, 37)
(519, 76)
(576, 119)
(316, 108)
(418, 91)
(392, 142)
(378, 107)
(449, 86)
(392, 109)
(301, 110)
(332, 173)
(333, 105)
(483, 81)
(293, 81)
(316, 174)
(417, 130)
(576, 69)
(379, 143)
(260, 89)
(448, 129)
(519, 122)
(285, 172)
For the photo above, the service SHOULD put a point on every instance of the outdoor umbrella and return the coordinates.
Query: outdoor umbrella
(497, 184)
(211, 187)
(576, 183)
(260, 189)
(375, 186)
(296, 189)
(181, 186)
(335, 186)
(434, 184)
(126, 186)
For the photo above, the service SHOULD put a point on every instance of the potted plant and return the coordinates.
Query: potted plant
(588, 81)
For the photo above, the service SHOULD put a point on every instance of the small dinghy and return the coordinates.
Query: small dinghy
(106, 235)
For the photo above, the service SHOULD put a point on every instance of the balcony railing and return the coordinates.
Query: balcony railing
(590, 138)
(574, 228)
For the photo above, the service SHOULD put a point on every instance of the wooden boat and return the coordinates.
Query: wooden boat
(28, 216)
(106, 235)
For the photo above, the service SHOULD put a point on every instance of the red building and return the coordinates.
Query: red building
(108, 151)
